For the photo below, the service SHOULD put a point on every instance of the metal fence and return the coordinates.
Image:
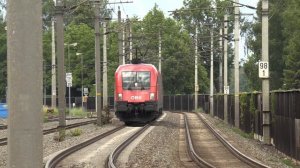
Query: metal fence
(185, 102)
(77, 102)
(285, 121)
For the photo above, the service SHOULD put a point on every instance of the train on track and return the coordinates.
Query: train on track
(138, 93)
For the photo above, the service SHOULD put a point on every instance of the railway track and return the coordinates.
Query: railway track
(3, 141)
(209, 149)
(74, 118)
(191, 151)
(3, 127)
(98, 152)
(59, 157)
(114, 155)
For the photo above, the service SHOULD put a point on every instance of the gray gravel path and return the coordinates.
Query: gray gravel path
(160, 147)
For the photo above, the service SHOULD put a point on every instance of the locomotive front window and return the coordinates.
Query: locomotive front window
(133, 80)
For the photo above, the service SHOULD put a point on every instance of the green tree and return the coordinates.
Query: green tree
(83, 35)
(177, 51)
(291, 24)
(277, 42)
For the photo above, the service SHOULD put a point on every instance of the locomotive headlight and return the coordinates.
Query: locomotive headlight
(120, 96)
(152, 96)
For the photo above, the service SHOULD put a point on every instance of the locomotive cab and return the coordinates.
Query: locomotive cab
(138, 93)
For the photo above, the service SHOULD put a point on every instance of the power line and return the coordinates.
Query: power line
(242, 5)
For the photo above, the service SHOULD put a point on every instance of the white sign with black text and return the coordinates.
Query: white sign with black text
(263, 69)
(226, 90)
(69, 79)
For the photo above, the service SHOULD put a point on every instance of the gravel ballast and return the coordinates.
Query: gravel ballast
(160, 147)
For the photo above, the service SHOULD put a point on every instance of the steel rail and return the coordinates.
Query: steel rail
(3, 127)
(57, 119)
(114, 155)
(3, 141)
(197, 159)
(251, 162)
(59, 157)
(51, 130)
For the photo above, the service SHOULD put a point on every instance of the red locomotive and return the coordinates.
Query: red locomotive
(138, 93)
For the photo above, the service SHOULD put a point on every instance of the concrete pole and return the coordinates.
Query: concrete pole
(44, 83)
(53, 82)
(123, 45)
(225, 67)
(196, 69)
(61, 81)
(265, 81)
(159, 51)
(81, 62)
(97, 64)
(236, 65)
(220, 62)
(211, 96)
(104, 66)
(69, 70)
(25, 83)
(81, 56)
(130, 42)
(127, 40)
(120, 38)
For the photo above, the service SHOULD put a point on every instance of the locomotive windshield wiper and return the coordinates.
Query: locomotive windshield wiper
(129, 87)
(142, 86)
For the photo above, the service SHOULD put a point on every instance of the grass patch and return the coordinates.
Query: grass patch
(77, 112)
(243, 134)
(50, 111)
(76, 132)
(287, 162)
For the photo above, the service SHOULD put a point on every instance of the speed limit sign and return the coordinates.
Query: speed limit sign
(263, 69)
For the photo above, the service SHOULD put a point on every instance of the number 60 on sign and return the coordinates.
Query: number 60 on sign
(263, 69)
